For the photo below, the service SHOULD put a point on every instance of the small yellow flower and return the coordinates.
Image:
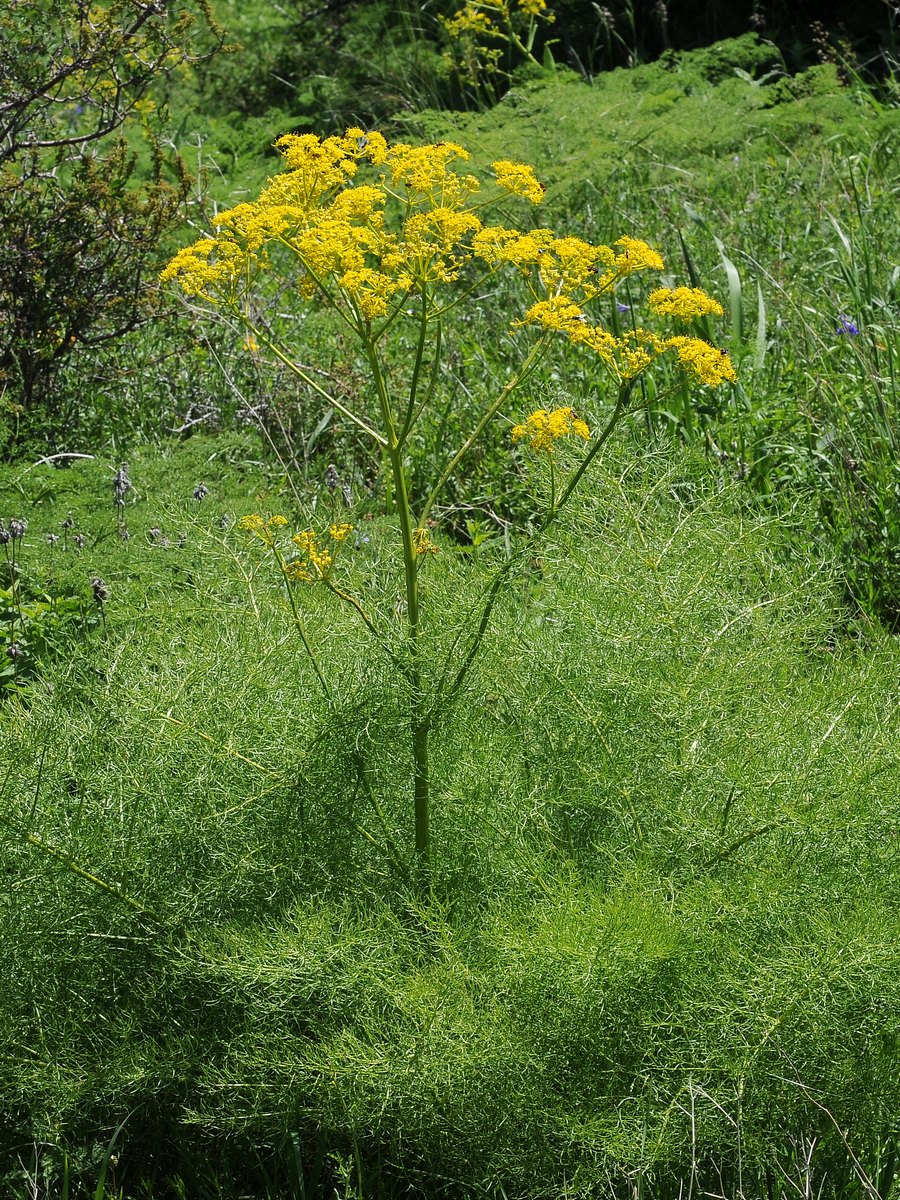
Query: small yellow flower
(366, 145)
(340, 533)
(297, 570)
(636, 255)
(422, 543)
(519, 179)
(259, 527)
(703, 361)
(559, 312)
(523, 250)
(318, 560)
(371, 289)
(209, 266)
(469, 21)
(535, 8)
(544, 427)
(423, 169)
(684, 303)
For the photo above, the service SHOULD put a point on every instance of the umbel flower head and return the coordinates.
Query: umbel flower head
(336, 228)
(543, 428)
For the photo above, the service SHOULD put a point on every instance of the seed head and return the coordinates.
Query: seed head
(100, 590)
(121, 484)
(201, 491)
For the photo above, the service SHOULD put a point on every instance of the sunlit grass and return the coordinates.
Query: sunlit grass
(658, 937)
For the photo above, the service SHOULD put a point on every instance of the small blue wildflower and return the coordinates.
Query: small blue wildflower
(845, 325)
(623, 308)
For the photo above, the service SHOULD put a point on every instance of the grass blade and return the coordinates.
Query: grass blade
(735, 294)
(759, 353)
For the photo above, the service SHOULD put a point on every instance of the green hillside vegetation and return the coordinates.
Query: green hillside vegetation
(648, 947)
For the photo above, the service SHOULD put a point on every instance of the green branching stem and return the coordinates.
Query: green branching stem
(346, 598)
(301, 629)
(420, 719)
(417, 368)
(621, 404)
(396, 854)
(327, 297)
(445, 694)
(517, 380)
(464, 293)
(287, 361)
(33, 840)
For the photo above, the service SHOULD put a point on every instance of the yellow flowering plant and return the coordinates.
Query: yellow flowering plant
(479, 31)
(387, 236)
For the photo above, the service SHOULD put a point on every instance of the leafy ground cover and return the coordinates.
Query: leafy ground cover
(660, 948)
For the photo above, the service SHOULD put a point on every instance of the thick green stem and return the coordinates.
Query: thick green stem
(419, 718)
(417, 369)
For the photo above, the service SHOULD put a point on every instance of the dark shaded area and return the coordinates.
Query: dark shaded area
(620, 32)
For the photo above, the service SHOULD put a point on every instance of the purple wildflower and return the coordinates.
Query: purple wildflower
(845, 325)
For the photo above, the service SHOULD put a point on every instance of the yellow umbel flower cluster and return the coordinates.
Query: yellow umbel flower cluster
(703, 361)
(470, 21)
(365, 249)
(336, 231)
(494, 18)
(264, 528)
(316, 560)
(566, 266)
(422, 543)
(683, 303)
(543, 428)
(519, 179)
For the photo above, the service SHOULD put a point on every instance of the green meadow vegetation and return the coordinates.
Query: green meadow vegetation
(450, 735)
